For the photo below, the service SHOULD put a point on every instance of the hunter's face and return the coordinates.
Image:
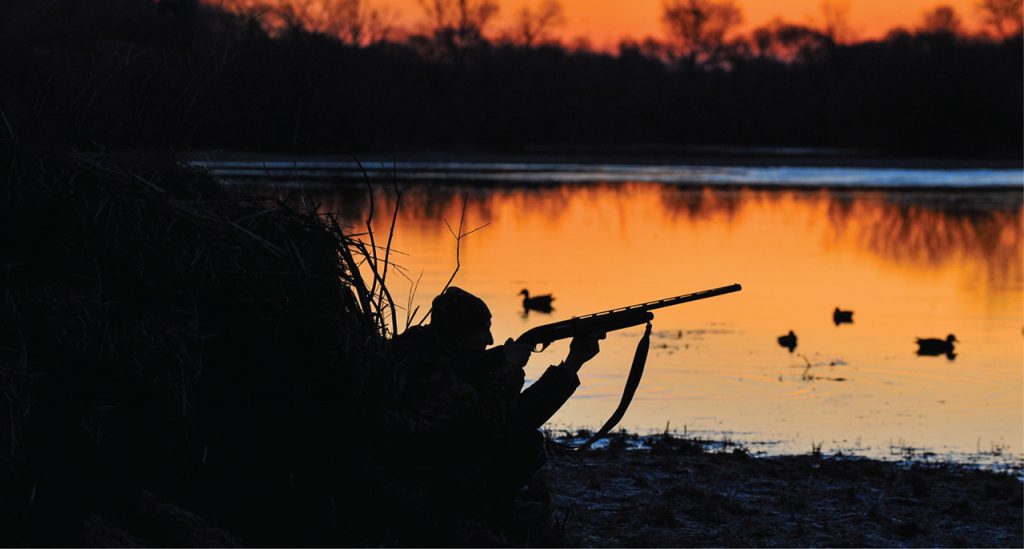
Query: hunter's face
(478, 339)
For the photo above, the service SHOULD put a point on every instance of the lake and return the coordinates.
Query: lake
(914, 253)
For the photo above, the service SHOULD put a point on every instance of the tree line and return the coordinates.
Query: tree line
(315, 75)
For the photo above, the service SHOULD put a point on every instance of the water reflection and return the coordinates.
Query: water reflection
(936, 231)
(922, 229)
(911, 264)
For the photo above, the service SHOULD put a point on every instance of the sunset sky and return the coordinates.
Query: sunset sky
(604, 22)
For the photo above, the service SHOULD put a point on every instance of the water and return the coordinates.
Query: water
(319, 171)
(920, 263)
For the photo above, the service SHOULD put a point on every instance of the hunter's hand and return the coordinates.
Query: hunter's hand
(582, 349)
(516, 354)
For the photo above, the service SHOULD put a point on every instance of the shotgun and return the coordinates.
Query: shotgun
(615, 319)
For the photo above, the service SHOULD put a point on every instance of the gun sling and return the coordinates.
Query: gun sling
(636, 371)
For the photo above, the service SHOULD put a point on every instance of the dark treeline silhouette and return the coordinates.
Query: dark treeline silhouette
(242, 86)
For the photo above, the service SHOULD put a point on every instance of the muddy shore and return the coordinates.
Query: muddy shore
(676, 494)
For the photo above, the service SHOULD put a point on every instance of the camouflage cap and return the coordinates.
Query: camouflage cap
(457, 312)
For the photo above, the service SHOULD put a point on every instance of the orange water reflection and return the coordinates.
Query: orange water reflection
(909, 264)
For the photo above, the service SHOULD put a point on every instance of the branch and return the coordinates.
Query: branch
(458, 243)
(369, 219)
(387, 248)
(458, 248)
(410, 312)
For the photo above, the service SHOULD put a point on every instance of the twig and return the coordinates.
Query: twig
(458, 248)
(7, 124)
(458, 243)
(387, 251)
(805, 376)
(357, 282)
(269, 245)
(361, 246)
(410, 312)
(369, 220)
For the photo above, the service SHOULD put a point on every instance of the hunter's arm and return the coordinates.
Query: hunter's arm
(541, 400)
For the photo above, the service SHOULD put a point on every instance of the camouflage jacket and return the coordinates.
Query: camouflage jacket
(436, 395)
(450, 434)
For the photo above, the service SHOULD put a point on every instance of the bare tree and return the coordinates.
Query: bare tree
(457, 24)
(379, 25)
(788, 43)
(1005, 17)
(354, 22)
(532, 27)
(836, 16)
(698, 28)
(942, 20)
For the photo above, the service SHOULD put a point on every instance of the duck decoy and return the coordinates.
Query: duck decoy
(935, 347)
(840, 316)
(540, 303)
(788, 341)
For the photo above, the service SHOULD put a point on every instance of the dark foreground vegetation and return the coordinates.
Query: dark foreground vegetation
(226, 80)
(186, 365)
(175, 356)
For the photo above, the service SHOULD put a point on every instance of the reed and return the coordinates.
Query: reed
(165, 338)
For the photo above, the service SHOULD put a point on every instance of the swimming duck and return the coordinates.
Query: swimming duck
(788, 341)
(840, 316)
(932, 346)
(541, 303)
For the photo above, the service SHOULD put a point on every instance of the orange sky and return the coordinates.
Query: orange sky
(604, 22)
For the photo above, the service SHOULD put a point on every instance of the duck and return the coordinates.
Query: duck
(540, 303)
(934, 346)
(788, 341)
(840, 316)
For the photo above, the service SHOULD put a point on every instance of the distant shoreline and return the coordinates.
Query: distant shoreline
(642, 155)
(799, 169)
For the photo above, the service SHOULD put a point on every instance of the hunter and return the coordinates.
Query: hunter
(459, 419)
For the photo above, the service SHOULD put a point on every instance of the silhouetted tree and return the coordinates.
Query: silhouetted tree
(942, 20)
(1005, 17)
(532, 27)
(458, 24)
(789, 43)
(353, 22)
(244, 88)
(649, 49)
(836, 21)
(698, 28)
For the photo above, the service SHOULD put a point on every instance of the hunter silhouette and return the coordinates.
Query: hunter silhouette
(463, 433)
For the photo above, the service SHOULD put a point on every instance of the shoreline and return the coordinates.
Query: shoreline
(901, 455)
(637, 156)
(774, 173)
(676, 493)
